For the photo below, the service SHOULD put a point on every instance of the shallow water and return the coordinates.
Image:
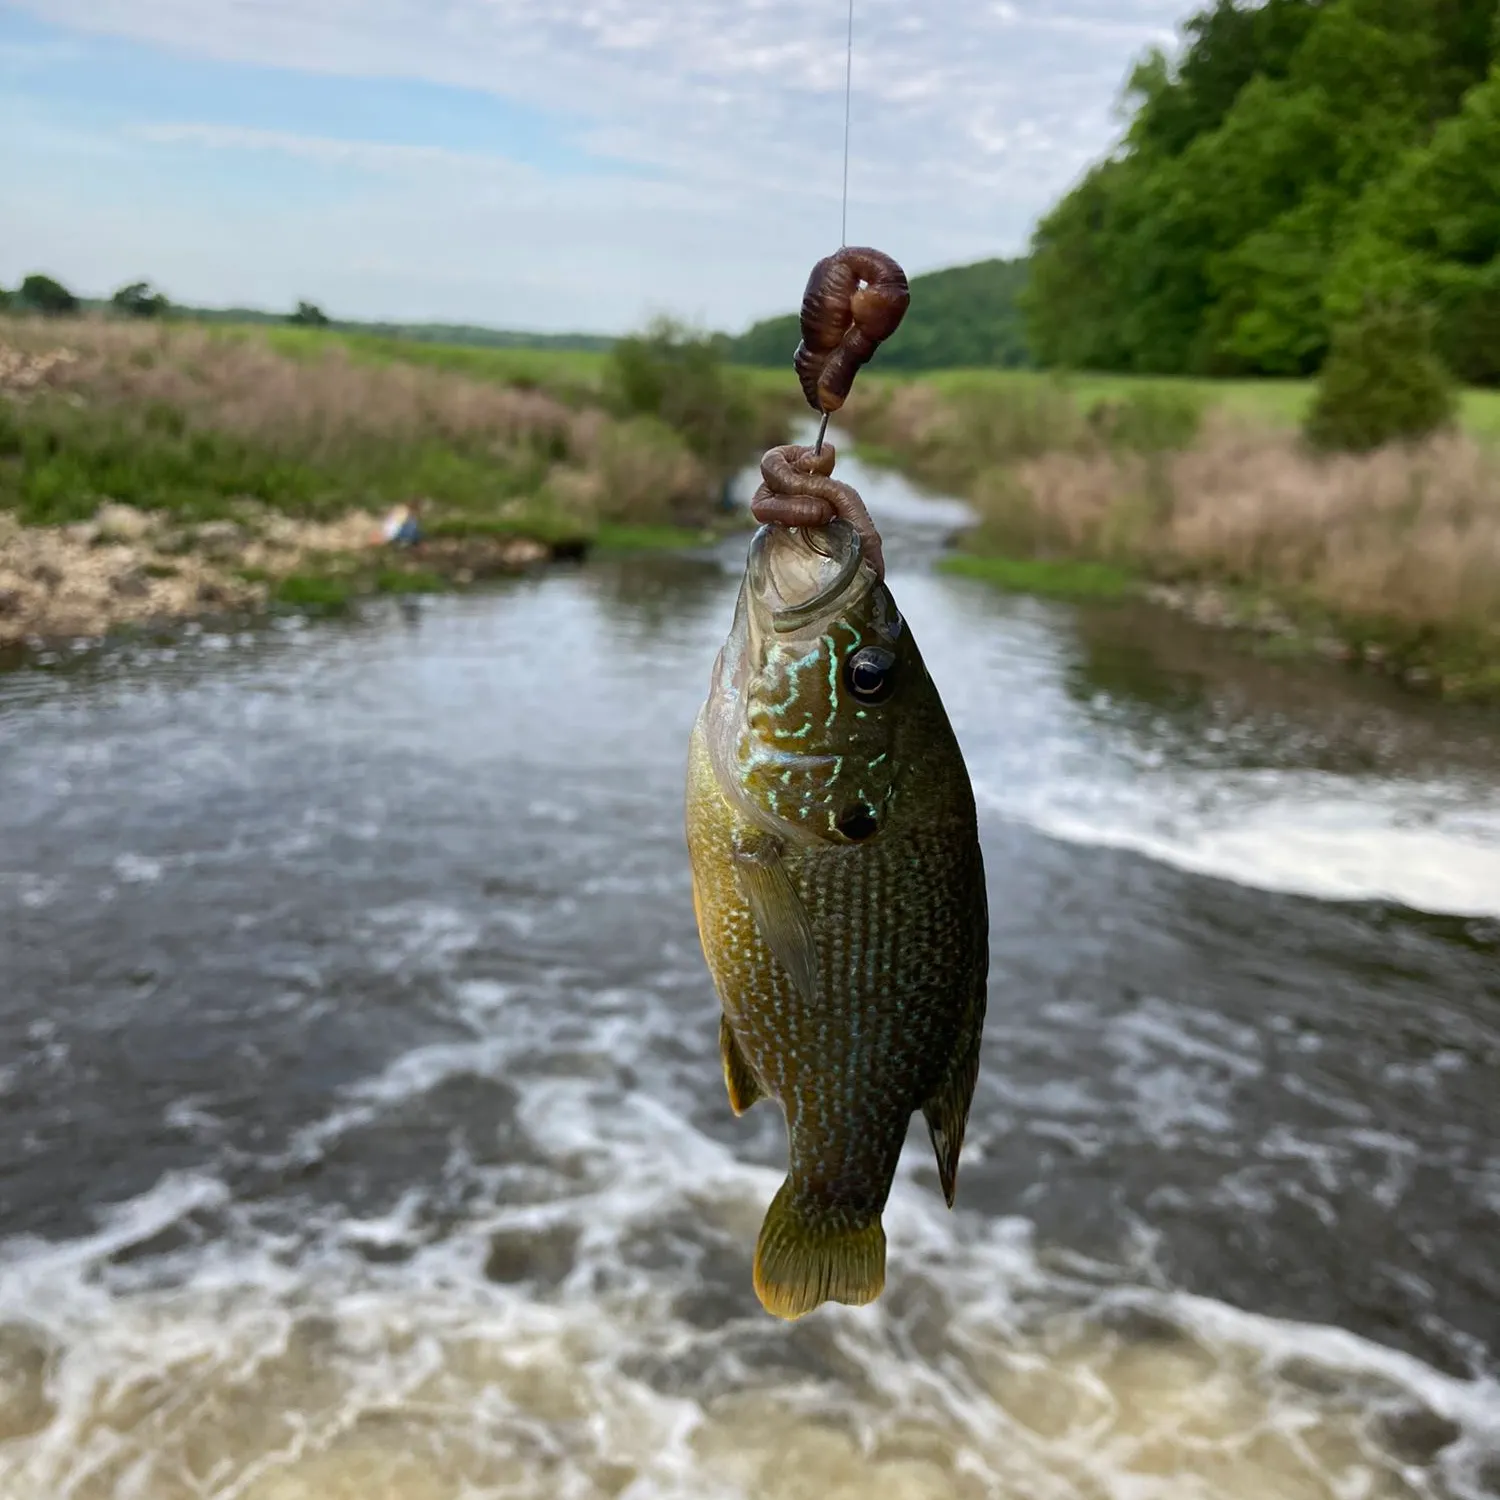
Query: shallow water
(367, 1136)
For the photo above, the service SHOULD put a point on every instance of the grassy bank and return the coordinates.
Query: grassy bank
(264, 456)
(1275, 403)
(1203, 494)
(190, 421)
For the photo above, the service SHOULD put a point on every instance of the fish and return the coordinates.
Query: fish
(839, 890)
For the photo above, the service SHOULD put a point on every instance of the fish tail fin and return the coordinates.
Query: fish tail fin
(801, 1262)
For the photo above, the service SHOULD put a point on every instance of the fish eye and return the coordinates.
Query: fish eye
(871, 673)
(858, 822)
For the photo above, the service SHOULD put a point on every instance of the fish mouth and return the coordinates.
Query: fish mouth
(800, 572)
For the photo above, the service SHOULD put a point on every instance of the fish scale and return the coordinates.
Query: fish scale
(851, 969)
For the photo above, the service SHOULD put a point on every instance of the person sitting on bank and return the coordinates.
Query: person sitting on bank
(403, 527)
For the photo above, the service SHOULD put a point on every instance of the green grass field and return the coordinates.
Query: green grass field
(557, 370)
(581, 375)
(564, 372)
(1278, 402)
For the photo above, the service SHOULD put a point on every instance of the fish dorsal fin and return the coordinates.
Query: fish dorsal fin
(779, 913)
(739, 1077)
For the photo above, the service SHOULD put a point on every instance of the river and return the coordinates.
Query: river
(366, 1137)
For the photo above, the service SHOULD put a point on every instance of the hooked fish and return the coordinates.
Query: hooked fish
(839, 890)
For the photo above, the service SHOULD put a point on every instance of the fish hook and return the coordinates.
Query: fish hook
(854, 301)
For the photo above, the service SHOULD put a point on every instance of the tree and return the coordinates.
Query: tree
(138, 300)
(42, 294)
(1382, 382)
(1297, 146)
(1431, 231)
(310, 315)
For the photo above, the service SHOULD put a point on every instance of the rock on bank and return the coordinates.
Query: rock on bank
(129, 567)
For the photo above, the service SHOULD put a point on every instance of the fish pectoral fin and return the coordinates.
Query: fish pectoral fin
(947, 1111)
(801, 1262)
(779, 915)
(739, 1077)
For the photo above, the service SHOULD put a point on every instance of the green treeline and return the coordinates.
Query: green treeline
(45, 295)
(968, 316)
(1302, 160)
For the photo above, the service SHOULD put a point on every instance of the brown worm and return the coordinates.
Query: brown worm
(796, 491)
(855, 299)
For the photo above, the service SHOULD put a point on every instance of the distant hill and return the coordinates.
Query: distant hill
(424, 333)
(966, 316)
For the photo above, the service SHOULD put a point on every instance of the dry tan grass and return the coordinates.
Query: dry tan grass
(244, 386)
(1404, 534)
(307, 426)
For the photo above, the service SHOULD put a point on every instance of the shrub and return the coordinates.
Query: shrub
(309, 315)
(680, 378)
(1381, 383)
(44, 295)
(138, 300)
(1153, 419)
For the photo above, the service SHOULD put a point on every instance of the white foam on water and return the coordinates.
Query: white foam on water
(579, 1323)
(615, 1350)
(1424, 845)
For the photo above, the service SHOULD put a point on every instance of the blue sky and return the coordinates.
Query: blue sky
(538, 163)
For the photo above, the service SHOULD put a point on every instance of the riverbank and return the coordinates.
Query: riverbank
(126, 567)
(1390, 561)
(156, 473)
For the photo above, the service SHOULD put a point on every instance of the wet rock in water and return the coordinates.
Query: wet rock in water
(1139, 1325)
(540, 1255)
(25, 1407)
(1416, 1434)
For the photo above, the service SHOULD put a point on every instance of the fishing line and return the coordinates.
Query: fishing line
(848, 101)
(844, 212)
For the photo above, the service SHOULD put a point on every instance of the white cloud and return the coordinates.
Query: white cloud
(967, 121)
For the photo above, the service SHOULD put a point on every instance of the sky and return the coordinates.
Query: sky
(551, 165)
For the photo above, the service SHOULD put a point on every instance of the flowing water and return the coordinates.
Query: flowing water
(365, 1134)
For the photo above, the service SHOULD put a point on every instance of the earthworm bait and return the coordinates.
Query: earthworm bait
(855, 300)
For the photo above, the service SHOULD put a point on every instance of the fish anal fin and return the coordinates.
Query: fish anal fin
(779, 914)
(802, 1260)
(739, 1077)
(947, 1111)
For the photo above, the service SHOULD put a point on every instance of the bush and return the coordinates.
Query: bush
(44, 295)
(1153, 419)
(1382, 383)
(139, 301)
(309, 315)
(680, 378)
